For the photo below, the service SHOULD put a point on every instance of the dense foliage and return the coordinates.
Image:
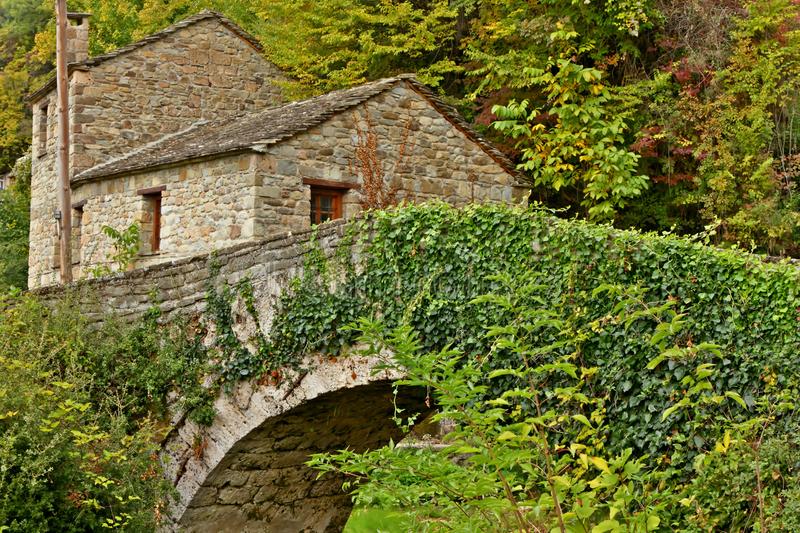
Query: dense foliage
(14, 222)
(82, 414)
(665, 371)
(536, 457)
(655, 114)
(424, 265)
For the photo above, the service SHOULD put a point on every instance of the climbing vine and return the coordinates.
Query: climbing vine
(716, 337)
(422, 265)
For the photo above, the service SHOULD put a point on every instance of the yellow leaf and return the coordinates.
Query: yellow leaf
(506, 435)
(600, 463)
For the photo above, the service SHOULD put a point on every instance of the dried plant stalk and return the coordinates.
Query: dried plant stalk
(379, 189)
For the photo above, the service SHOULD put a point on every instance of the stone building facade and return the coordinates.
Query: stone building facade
(227, 182)
(200, 157)
(203, 67)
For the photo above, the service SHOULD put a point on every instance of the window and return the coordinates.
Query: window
(151, 221)
(77, 226)
(43, 132)
(155, 237)
(326, 198)
(326, 204)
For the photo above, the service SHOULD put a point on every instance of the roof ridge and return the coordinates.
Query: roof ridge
(339, 96)
(255, 131)
(172, 28)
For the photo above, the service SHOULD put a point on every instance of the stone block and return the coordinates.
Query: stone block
(236, 495)
(287, 167)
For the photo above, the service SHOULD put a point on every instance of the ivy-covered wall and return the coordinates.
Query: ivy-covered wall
(424, 265)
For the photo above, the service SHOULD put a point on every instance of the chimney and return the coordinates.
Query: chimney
(78, 37)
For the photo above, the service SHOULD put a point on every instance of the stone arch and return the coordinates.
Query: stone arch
(246, 472)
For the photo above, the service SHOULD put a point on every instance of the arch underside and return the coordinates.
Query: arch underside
(263, 484)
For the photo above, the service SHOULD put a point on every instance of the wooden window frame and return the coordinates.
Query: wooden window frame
(336, 194)
(153, 196)
(335, 189)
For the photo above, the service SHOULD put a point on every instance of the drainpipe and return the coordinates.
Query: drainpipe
(62, 155)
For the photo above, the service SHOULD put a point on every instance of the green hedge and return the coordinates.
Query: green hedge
(424, 264)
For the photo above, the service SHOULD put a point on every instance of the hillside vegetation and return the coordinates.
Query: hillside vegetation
(599, 379)
(654, 114)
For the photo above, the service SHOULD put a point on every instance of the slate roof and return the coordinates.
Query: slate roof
(256, 131)
(194, 19)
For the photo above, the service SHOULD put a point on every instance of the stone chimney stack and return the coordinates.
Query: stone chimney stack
(78, 37)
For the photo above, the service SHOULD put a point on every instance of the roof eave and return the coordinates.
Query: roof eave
(87, 177)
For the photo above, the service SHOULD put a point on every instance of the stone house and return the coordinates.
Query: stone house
(184, 134)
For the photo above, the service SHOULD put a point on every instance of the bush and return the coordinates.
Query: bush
(66, 463)
(80, 417)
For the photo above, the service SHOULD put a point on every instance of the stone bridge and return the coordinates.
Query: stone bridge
(246, 472)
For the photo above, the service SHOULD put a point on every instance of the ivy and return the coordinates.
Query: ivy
(422, 265)
(310, 318)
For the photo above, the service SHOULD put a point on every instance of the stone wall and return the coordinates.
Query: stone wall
(179, 286)
(251, 475)
(438, 160)
(44, 195)
(203, 205)
(202, 71)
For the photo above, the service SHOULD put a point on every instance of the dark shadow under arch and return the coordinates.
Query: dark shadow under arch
(263, 484)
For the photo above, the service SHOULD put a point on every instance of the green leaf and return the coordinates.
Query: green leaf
(652, 365)
(735, 397)
(606, 525)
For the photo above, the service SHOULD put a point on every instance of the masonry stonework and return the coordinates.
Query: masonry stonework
(202, 203)
(232, 198)
(423, 154)
(252, 475)
(202, 71)
(199, 69)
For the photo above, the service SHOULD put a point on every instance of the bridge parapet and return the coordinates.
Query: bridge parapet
(179, 287)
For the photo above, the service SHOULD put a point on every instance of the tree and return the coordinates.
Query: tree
(329, 45)
(574, 139)
(14, 224)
